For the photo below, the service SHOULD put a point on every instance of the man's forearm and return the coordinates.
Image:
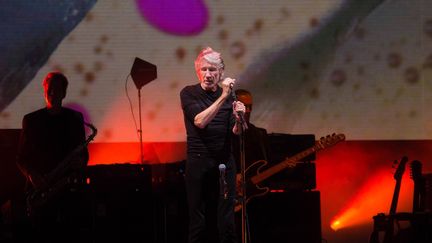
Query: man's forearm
(206, 116)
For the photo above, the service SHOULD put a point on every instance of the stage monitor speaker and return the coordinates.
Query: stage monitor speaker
(143, 72)
(122, 204)
(171, 209)
(293, 217)
(120, 177)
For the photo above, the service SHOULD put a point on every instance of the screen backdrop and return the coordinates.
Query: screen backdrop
(362, 69)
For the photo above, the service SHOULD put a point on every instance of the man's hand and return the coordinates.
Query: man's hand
(238, 109)
(227, 85)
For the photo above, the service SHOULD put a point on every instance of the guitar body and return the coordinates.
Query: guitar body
(67, 174)
(41, 196)
(255, 190)
(252, 190)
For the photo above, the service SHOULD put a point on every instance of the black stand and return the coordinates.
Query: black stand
(244, 216)
(142, 73)
(140, 128)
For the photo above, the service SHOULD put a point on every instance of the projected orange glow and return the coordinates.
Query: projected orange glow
(375, 196)
(113, 145)
(356, 182)
(119, 153)
(117, 124)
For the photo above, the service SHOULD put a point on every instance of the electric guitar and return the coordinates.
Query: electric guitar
(386, 223)
(60, 177)
(398, 177)
(256, 172)
(419, 194)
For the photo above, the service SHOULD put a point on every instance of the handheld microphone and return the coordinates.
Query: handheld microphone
(240, 113)
(234, 96)
(223, 187)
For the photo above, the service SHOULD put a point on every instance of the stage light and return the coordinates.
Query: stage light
(374, 197)
(335, 225)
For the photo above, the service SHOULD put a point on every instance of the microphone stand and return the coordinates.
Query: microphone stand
(244, 216)
(140, 127)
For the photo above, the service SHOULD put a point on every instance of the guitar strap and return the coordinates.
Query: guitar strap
(261, 143)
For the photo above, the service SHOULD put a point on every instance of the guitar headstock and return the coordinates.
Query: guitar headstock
(401, 168)
(416, 170)
(330, 140)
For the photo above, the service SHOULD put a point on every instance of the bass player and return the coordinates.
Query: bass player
(49, 135)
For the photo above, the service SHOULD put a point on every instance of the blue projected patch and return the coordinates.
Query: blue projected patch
(30, 32)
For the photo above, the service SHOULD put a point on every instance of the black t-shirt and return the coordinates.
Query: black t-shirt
(47, 139)
(215, 138)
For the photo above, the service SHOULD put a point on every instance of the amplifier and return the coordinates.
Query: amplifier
(301, 177)
(293, 217)
(287, 145)
(121, 201)
(119, 177)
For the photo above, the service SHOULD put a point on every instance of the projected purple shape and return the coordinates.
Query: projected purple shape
(180, 17)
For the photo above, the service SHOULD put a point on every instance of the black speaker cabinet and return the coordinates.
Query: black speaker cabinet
(301, 177)
(122, 203)
(293, 217)
(286, 145)
(169, 194)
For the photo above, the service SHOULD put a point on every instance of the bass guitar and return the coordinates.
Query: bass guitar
(256, 172)
(60, 177)
(383, 222)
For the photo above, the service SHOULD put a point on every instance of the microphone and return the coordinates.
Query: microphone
(239, 113)
(223, 187)
(234, 96)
